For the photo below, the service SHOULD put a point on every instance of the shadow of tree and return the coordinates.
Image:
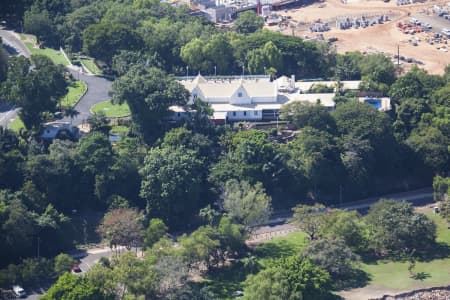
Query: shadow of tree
(420, 276)
(356, 278)
(274, 250)
(436, 251)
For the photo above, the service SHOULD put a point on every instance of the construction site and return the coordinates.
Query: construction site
(410, 32)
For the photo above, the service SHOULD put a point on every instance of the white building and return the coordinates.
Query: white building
(258, 98)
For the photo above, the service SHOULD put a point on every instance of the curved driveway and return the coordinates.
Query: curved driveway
(98, 87)
(98, 91)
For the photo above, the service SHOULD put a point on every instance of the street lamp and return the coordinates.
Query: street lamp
(215, 71)
(264, 70)
(187, 72)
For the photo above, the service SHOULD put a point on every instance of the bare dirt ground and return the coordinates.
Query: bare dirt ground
(382, 38)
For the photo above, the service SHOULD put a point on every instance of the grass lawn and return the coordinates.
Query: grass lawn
(91, 66)
(55, 55)
(225, 281)
(111, 110)
(76, 89)
(16, 124)
(436, 272)
(119, 129)
(385, 275)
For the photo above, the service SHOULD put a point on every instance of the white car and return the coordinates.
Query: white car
(19, 291)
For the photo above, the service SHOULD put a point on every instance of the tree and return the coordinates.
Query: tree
(73, 287)
(122, 226)
(94, 153)
(270, 284)
(394, 228)
(332, 255)
(219, 52)
(346, 226)
(172, 183)
(149, 93)
(378, 67)
(194, 55)
(3, 62)
(252, 157)
(431, 146)
(103, 40)
(155, 231)
(248, 22)
(294, 277)
(36, 90)
(246, 204)
(310, 219)
(200, 246)
(63, 264)
(39, 23)
(303, 114)
(409, 112)
(315, 155)
(265, 58)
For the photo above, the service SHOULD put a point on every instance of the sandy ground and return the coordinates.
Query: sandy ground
(383, 38)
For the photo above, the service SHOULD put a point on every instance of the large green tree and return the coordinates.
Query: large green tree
(172, 184)
(36, 90)
(395, 228)
(149, 93)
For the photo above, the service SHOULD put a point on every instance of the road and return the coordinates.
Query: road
(98, 91)
(279, 226)
(98, 87)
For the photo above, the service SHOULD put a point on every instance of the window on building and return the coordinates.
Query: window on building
(239, 94)
(234, 114)
(195, 96)
(245, 113)
(179, 115)
(255, 112)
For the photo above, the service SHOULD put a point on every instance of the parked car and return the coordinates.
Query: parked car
(19, 291)
(76, 268)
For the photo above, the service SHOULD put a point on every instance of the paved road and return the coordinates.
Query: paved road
(98, 91)
(98, 87)
(11, 40)
(278, 224)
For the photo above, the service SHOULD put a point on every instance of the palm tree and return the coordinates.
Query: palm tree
(71, 113)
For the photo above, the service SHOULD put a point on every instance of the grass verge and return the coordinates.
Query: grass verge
(111, 110)
(76, 90)
(91, 66)
(55, 55)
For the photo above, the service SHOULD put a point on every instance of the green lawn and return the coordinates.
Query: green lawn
(111, 110)
(229, 279)
(16, 124)
(386, 275)
(76, 89)
(120, 130)
(55, 55)
(91, 66)
(436, 272)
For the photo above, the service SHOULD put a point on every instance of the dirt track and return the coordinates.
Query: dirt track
(383, 38)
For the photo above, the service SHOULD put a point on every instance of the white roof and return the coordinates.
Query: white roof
(346, 84)
(325, 99)
(230, 107)
(226, 88)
